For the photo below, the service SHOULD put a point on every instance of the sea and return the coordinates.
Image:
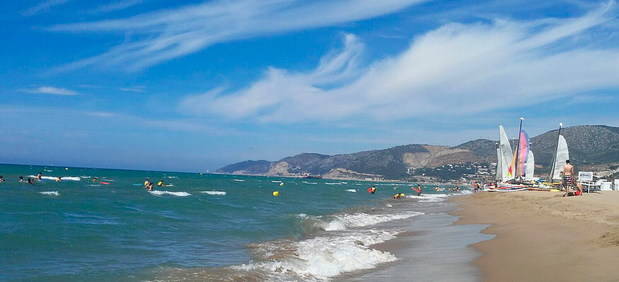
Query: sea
(102, 225)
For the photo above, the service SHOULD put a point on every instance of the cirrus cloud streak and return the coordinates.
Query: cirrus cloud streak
(452, 70)
(164, 35)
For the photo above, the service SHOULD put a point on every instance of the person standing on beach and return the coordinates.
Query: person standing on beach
(568, 178)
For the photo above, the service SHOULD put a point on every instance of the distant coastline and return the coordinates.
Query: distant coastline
(595, 148)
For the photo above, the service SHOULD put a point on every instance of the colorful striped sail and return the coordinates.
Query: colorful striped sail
(522, 152)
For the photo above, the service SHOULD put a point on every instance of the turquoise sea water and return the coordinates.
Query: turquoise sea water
(86, 230)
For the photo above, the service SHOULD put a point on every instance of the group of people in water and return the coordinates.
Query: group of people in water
(148, 185)
(29, 180)
(418, 189)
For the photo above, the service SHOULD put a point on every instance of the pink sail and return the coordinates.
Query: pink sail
(523, 153)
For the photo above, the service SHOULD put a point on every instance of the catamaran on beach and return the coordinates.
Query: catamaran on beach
(516, 167)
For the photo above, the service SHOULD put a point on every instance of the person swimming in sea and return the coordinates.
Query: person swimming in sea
(2, 179)
(398, 195)
(58, 179)
(39, 176)
(160, 183)
(417, 189)
(148, 185)
(31, 181)
(372, 189)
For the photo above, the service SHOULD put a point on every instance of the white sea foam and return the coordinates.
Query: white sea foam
(276, 181)
(238, 180)
(311, 183)
(178, 194)
(71, 178)
(218, 193)
(429, 198)
(50, 193)
(364, 219)
(325, 257)
(64, 178)
(356, 220)
(351, 190)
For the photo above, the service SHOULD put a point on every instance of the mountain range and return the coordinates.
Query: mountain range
(588, 145)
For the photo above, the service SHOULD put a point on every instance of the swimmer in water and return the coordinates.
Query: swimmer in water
(31, 180)
(58, 179)
(39, 176)
(2, 179)
(372, 190)
(418, 189)
(160, 183)
(148, 185)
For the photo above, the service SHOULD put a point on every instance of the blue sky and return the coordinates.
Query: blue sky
(195, 85)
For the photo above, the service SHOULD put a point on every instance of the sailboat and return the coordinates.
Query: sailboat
(504, 155)
(514, 166)
(517, 168)
(561, 155)
(530, 167)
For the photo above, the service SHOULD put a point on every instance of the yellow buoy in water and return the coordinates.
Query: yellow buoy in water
(275, 193)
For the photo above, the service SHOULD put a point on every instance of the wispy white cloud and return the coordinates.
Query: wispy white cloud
(117, 5)
(453, 70)
(43, 6)
(101, 114)
(168, 34)
(135, 89)
(50, 90)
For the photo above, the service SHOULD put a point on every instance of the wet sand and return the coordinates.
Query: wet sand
(541, 236)
(429, 248)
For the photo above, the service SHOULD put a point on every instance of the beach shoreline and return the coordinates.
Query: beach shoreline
(541, 236)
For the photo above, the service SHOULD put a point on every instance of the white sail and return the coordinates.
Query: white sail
(530, 166)
(562, 155)
(506, 154)
(499, 160)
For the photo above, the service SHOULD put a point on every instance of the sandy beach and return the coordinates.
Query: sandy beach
(541, 236)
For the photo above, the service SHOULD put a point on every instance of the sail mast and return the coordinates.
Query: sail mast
(554, 156)
(518, 152)
(499, 159)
